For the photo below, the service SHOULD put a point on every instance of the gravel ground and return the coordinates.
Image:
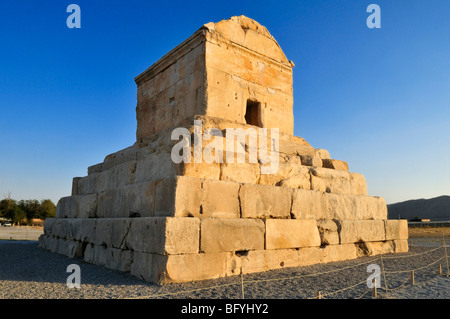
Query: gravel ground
(28, 272)
(20, 233)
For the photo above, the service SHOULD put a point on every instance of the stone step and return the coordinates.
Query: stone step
(190, 235)
(199, 197)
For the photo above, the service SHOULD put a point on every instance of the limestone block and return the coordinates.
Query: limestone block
(354, 207)
(75, 229)
(63, 207)
(164, 235)
(97, 168)
(178, 268)
(376, 206)
(401, 246)
(61, 246)
(328, 231)
(333, 253)
(102, 234)
(119, 232)
(220, 199)
(48, 225)
(75, 185)
(49, 242)
(120, 175)
(291, 233)
(179, 196)
(189, 267)
(200, 170)
(297, 181)
(240, 172)
(353, 231)
(310, 255)
(122, 156)
(374, 248)
(85, 206)
(308, 204)
(219, 235)
(99, 255)
(88, 255)
(118, 259)
(91, 184)
(81, 206)
(88, 229)
(322, 153)
(330, 180)
(263, 260)
(288, 170)
(136, 200)
(64, 228)
(74, 249)
(154, 167)
(358, 184)
(335, 164)
(263, 201)
(396, 229)
(311, 160)
(293, 148)
(148, 266)
(56, 227)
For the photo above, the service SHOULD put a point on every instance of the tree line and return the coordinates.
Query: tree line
(23, 211)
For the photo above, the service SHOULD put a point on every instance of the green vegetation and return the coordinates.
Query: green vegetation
(23, 211)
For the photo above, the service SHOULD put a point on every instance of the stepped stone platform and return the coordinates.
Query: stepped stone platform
(165, 221)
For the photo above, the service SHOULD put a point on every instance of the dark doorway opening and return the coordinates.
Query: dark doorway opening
(253, 113)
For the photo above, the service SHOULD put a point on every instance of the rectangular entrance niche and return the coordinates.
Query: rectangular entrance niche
(253, 113)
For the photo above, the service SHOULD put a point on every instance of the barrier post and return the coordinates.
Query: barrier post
(445, 251)
(242, 285)
(412, 277)
(374, 291)
(319, 295)
(440, 270)
(384, 275)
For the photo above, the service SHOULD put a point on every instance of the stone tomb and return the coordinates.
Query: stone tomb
(139, 211)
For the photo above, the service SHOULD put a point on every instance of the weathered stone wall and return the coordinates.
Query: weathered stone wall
(193, 248)
(244, 62)
(215, 72)
(138, 211)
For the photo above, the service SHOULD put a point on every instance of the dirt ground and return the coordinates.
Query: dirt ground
(415, 232)
(21, 232)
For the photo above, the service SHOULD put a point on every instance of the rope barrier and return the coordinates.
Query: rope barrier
(309, 275)
(413, 255)
(409, 270)
(346, 288)
(320, 293)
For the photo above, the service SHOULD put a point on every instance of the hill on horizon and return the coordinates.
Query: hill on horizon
(436, 209)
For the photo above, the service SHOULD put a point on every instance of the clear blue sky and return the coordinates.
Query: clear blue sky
(376, 98)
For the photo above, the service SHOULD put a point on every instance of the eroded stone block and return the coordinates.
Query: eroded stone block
(219, 235)
(354, 231)
(396, 229)
(291, 233)
(164, 235)
(263, 201)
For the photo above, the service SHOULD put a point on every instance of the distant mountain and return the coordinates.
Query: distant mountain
(435, 209)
